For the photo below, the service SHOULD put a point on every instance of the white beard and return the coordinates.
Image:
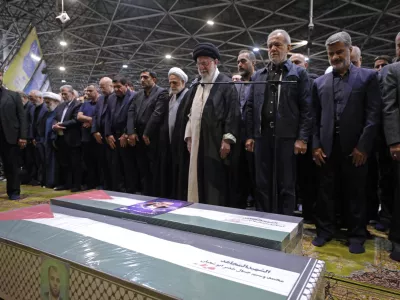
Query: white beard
(52, 106)
(208, 77)
(177, 91)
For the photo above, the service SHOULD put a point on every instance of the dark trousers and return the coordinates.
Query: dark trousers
(123, 168)
(285, 177)
(307, 183)
(387, 185)
(394, 234)
(70, 164)
(380, 183)
(10, 155)
(106, 163)
(28, 161)
(353, 180)
(146, 159)
(1, 167)
(244, 179)
(93, 163)
(40, 163)
(50, 165)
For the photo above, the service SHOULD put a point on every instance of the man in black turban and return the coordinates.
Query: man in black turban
(212, 115)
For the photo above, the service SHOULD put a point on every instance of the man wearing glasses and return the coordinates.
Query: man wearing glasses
(212, 130)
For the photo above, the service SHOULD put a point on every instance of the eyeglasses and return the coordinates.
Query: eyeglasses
(205, 63)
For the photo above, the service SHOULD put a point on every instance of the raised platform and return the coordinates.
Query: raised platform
(270, 231)
(44, 244)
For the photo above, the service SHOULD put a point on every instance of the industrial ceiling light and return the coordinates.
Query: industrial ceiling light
(62, 68)
(210, 22)
(125, 66)
(168, 56)
(63, 43)
(255, 49)
(63, 81)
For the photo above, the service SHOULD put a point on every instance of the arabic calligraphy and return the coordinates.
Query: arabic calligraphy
(245, 269)
(257, 220)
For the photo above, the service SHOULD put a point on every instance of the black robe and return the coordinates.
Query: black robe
(221, 115)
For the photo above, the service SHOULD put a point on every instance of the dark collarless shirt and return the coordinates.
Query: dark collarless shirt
(116, 123)
(274, 73)
(243, 91)
(339, 83)
(87, 109)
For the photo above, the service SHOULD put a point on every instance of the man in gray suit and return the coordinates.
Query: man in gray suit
(391, 123)
(13, 133)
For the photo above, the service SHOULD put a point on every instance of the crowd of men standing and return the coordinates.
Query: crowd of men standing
(278, 135)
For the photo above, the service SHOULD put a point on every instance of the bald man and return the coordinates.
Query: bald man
(355, 57)
(98, 127)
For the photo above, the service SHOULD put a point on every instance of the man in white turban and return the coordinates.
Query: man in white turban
(177, 81)
(174, 145)
(51, 100)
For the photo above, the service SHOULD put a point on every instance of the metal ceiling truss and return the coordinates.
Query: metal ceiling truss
(103, 35)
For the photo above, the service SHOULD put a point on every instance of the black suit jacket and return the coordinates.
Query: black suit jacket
(361, 115)
(146, 115)
(116, 120)
(294, 117)
(100, 113)
(391, 103)
(13, 117)
(41, 118)
(72, 133)
(27, 108)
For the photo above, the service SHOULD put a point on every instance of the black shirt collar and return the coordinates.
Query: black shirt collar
(336, 74)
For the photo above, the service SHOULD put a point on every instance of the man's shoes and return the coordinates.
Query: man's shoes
(60, 188)
(381, 227)
(75, 190)
(14, 197)
(319, 241)
(356, 248)
(34, 182)
(395, 255)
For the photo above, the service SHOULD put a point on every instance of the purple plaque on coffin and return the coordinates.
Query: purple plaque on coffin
(154, 207)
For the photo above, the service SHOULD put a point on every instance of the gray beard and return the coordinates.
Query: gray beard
(176, 92)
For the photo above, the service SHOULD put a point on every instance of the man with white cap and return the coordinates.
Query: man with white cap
(212, 130)
(51, 101)
(170, 138)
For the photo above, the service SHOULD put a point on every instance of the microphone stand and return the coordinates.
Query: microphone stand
(274, 84)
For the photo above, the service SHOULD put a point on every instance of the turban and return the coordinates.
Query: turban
(178, 72)
(205, 49)
(52, 96)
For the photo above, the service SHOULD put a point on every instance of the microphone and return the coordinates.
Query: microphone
(196, 82)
